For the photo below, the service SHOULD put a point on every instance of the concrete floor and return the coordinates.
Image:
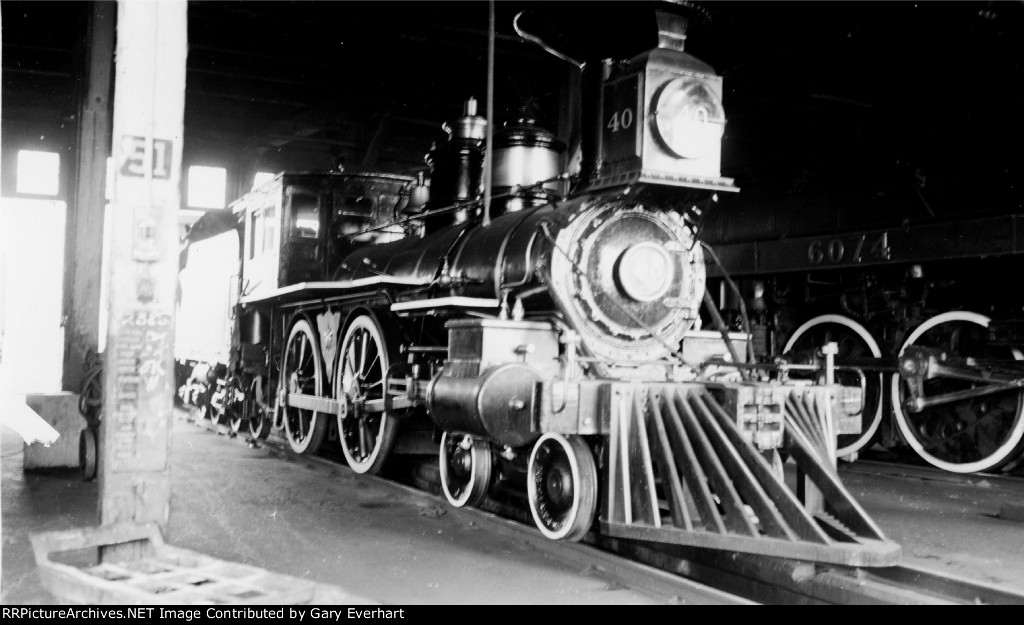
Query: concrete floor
(945, 522)
(307, 520)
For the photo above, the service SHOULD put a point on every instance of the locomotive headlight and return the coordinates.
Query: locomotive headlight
(645, 272)
(688, 117)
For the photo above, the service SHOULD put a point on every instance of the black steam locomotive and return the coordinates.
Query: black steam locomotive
(885, 284)
(897, 230)
(532, 332)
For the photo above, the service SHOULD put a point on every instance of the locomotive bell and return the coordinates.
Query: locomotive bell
(418, 193)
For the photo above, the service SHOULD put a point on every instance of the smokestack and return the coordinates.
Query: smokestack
(671, 30)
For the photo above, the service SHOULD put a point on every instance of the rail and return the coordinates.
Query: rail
(668, 570)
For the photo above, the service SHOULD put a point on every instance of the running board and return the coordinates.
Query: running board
(680, 471)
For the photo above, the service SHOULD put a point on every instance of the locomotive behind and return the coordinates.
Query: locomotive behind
(892, 286)
(547, 336)
(893, 224)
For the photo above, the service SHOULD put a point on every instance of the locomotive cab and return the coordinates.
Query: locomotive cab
(298, 226)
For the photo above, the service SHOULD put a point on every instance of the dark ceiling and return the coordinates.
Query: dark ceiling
(826, 93)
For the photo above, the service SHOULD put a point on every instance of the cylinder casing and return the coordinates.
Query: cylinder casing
(498, 404)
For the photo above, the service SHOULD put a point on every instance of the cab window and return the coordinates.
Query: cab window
(305, 216)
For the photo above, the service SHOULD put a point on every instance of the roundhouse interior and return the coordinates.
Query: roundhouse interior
(841, 117)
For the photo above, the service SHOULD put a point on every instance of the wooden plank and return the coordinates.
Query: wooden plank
(870, 553)
(824, 477)
(618, 494)
(645, 498)
(149, 103)
(691, 468)
(166, 575)
(84, 224)
(783, 498)
(667, 467)
(800, 415)
(729, 452)
(736, 518)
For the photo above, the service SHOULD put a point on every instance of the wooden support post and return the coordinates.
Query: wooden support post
(3, 282)
(84, 231)
(149, 104)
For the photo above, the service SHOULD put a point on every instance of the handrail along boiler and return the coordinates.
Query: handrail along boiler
(558, 342)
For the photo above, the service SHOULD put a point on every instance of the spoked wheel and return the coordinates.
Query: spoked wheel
(465, 469)
(258, 421)
(303, 373)
(973, 434)
(216, 405)
(88, 453)
(366, 430)
(854, 341)
(233, 404)
(204, 406)
(561, 481)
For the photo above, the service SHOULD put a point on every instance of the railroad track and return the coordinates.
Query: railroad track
(1010, 481)
(663, 585)
(689, 575)
(777, 580)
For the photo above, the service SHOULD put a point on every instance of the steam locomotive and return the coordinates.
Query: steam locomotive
(891, 236)
(524, 331)
(886, 285)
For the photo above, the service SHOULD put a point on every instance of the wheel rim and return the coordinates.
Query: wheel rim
(87, 453)
(366, 430)
(854, 341)
(303, 373)
(203, 405)
(258, 422)
(561, 482)
(216, 414)
(465, 469)
(233, 409)
(976, 434)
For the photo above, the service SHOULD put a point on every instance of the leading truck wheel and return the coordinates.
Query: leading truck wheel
(974, 434)
(561, 482)
(366, 429)
(854, 341)
(465, 469)
(303, 373)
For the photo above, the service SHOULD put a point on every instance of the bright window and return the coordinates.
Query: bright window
(38, 172)
(207, 186)
(261, 177)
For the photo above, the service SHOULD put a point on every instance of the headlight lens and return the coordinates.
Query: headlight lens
(688, 117)
(645, 272)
